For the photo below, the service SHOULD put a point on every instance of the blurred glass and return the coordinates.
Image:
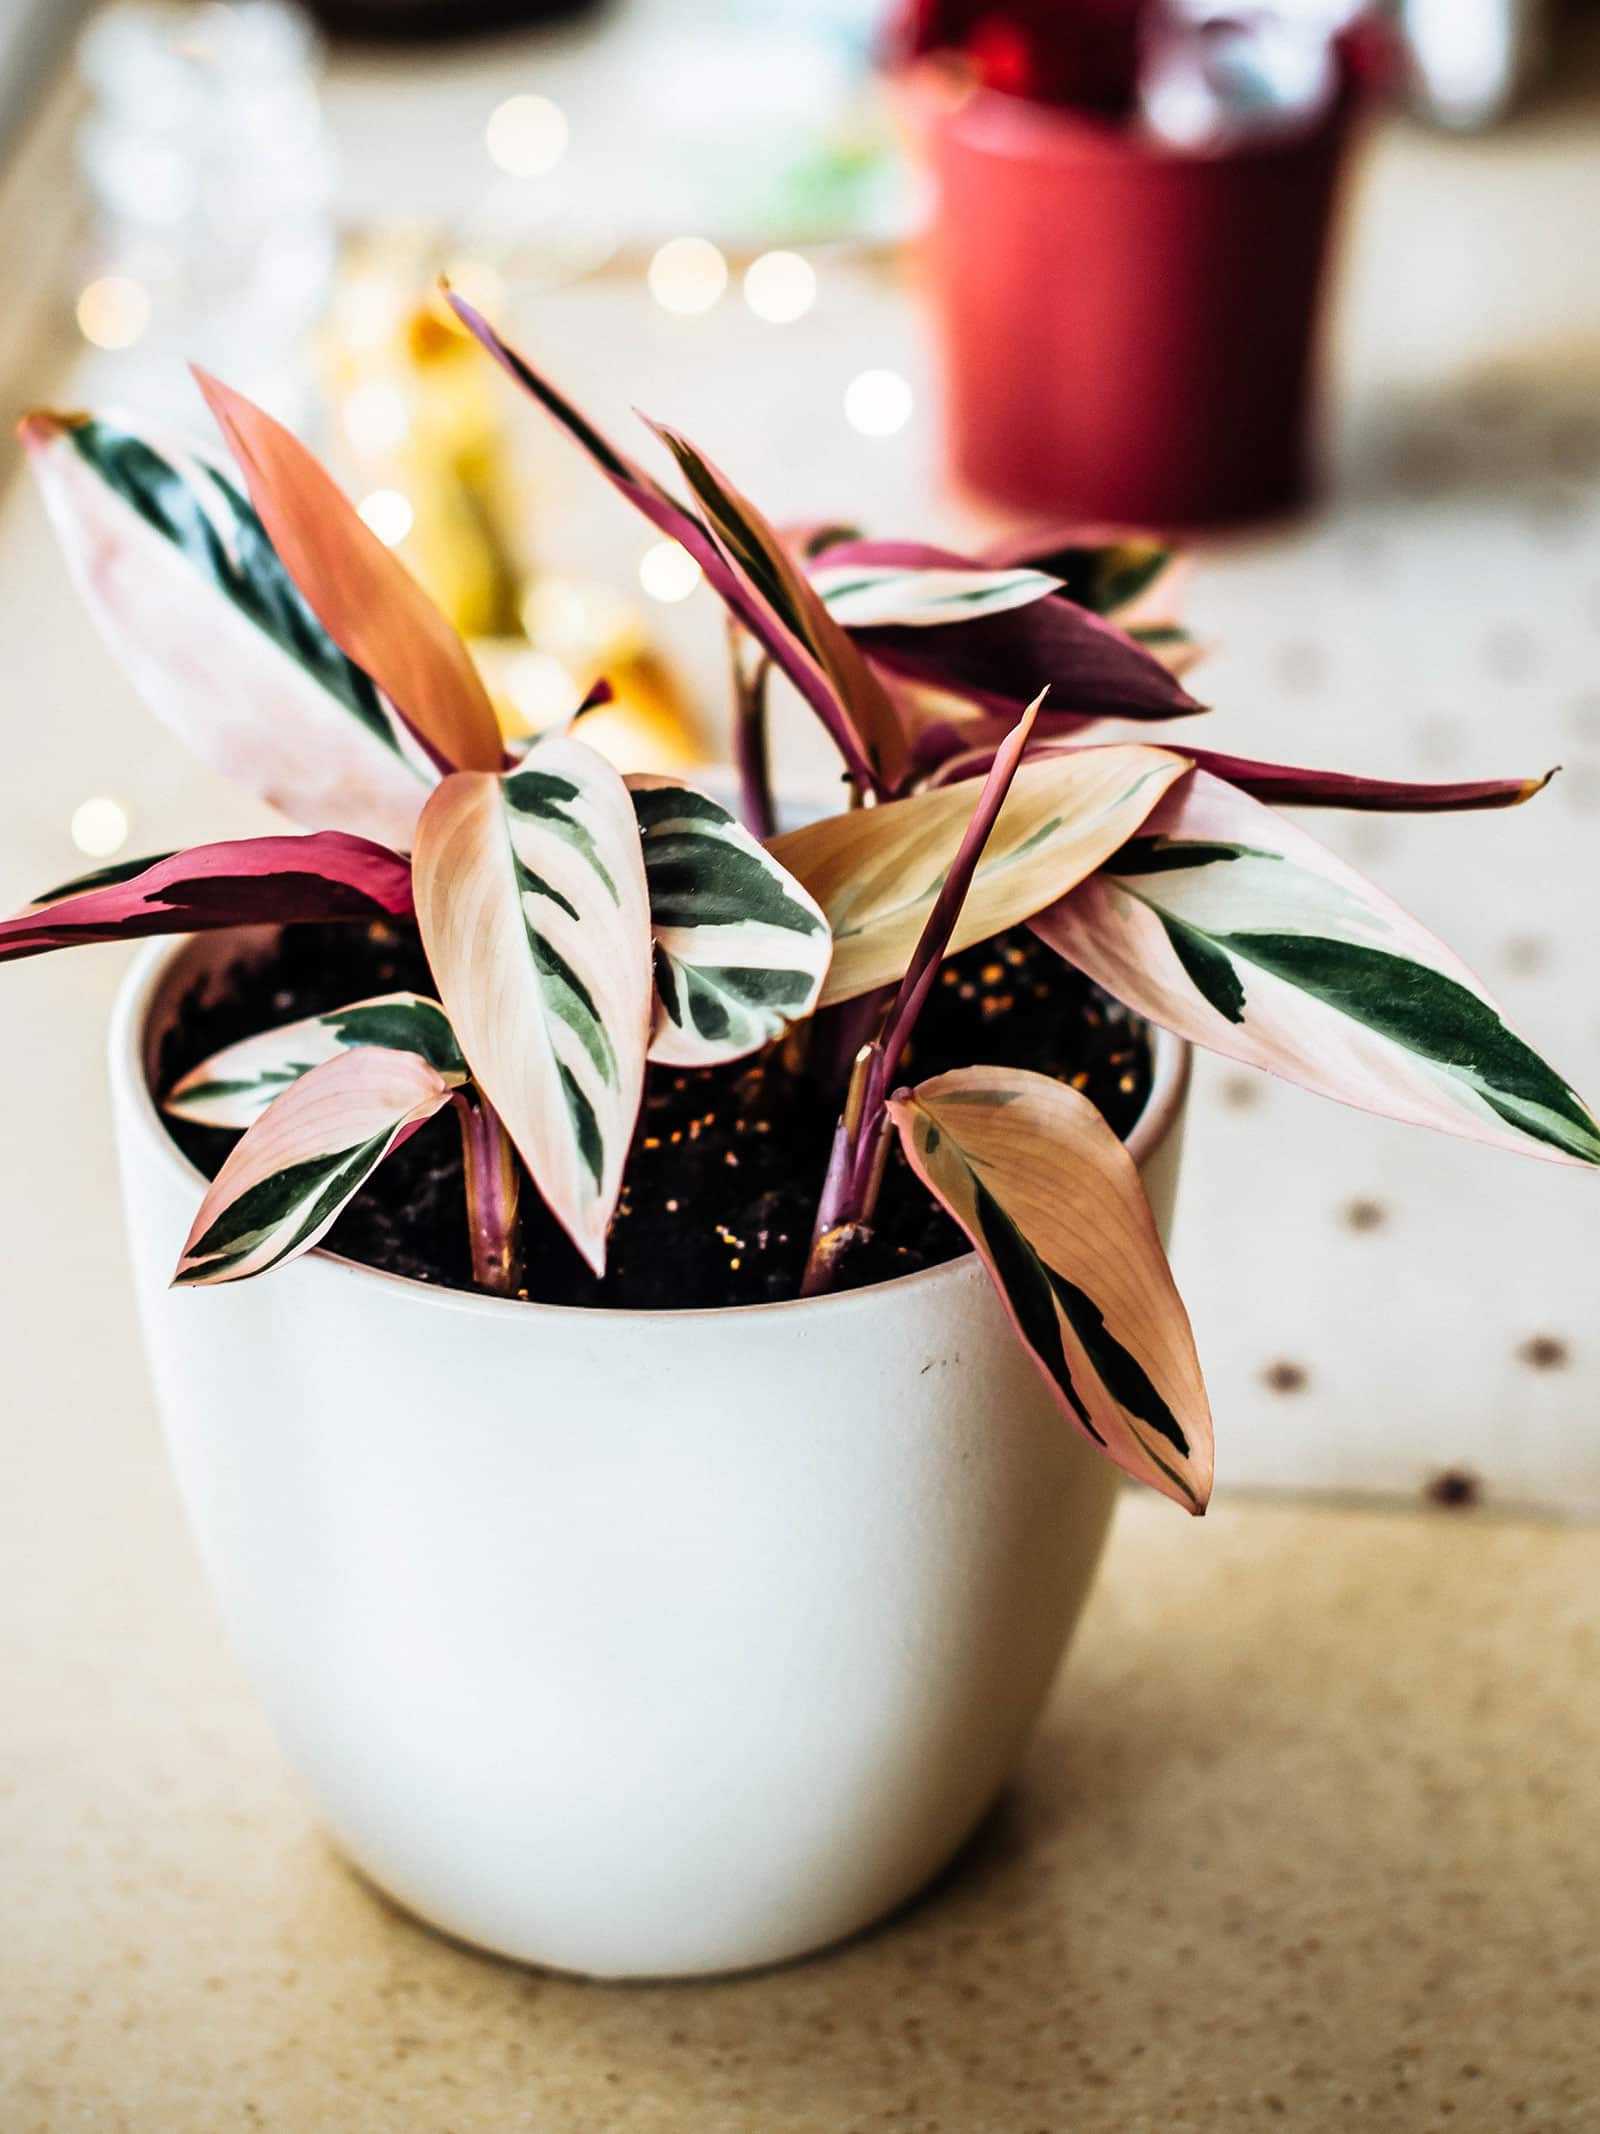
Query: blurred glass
(210, 179)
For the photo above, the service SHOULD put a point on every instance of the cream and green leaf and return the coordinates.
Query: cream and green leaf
(182, 582)
(235, 1086)
(360, 591)
(770, 574)
(316, 1145)
(876, 872)
(1231, 926)
(740, 948)
(861, 596)
(1054, 1204)
(531, 896)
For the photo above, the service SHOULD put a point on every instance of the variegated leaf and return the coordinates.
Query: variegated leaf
(876, 872)
(185, 587)
(743, 598)
(1232, 927)
(1137, 582)
(757, 554)
(244, 882)
(997, 661)
(1055, 1206)
(531, 897)
(284, 1184)
(740, 948)
(1288, 785)
(235, 1086)
(875, 595)
(366, 599)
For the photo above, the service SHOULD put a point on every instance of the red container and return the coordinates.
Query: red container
(1128, 332)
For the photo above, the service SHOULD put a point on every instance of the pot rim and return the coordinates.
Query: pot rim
(1171, 1059)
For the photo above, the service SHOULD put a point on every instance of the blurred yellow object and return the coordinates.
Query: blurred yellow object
(416, 408)
(578, 631)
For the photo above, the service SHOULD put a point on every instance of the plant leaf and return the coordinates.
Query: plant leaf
(876, 872)
(1091, 666)
(283, 1186)
(672, 518)
(235, 1086)
(245, 882)
(1134, 581)
(191, 599)
(1232, 927)
(869, 595)
(1055, 1206)
(531, 897)
(768, 571)
(366, 599)
(740, 948)
(1285, 786)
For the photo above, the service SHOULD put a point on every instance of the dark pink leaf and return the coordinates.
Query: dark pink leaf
(664, 512)
(1284, 785)
(247, 882)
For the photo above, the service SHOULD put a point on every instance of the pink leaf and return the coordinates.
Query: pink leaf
(731, 586)
(285, 1182)
(534, 910)
(1224, 922)
(1056, 1208)
(365, 598)
(251, 880)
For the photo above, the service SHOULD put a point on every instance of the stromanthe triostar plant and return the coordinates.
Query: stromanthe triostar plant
(580, 924)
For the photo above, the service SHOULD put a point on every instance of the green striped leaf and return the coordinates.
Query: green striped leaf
(235, 1086)
(1055, 1206)
(1231, 926)
(530, 892)
(740, 948)
(863, 596)
(365, 598)
(770, 575)
(285, 1182)
(194, 604)
(876, 872)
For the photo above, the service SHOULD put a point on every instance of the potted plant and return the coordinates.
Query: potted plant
(649, 1528)
(1126, 286)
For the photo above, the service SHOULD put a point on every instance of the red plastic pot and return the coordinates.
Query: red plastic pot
(1128, 332)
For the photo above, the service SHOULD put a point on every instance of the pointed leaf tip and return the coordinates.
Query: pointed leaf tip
(1056, 1208)
(361, 593)
(531, 897)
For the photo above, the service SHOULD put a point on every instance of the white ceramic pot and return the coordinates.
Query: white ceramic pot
(634, 1644)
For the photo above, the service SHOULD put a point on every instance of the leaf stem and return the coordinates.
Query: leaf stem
(494, 1185)
(860, 1149)
(750, 736)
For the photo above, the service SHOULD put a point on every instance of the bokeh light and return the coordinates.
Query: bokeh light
(526, 136)
(668, 572)
(113, 311)
(687, 275)
(780, 287)
(389, 514)
(99, 826)
(878, 403)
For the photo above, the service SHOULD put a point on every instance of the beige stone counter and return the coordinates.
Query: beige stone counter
(1311, 1839)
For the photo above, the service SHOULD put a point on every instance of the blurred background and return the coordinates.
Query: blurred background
(1309, 286)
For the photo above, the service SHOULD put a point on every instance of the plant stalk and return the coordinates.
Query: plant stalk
(750, 736)
(860, 1149)
(494, 1187)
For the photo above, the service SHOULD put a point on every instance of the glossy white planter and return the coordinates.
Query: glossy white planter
(634, 1644)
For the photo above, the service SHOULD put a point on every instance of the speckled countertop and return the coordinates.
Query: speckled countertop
(1310, 1839)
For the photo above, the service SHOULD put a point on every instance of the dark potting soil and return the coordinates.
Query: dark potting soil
(722, 1180)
